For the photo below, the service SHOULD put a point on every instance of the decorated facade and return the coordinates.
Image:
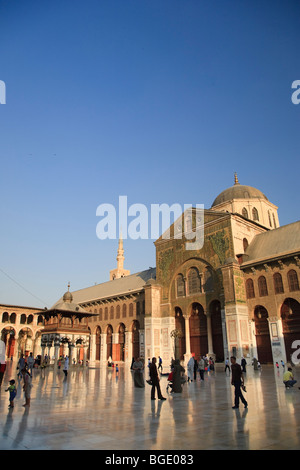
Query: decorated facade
(238, 293)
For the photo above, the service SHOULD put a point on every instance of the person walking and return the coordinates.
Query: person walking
(195, 368)
(21, 365)
(243, 364)
(159, 363)
(155, 381)
(30, 363)
(66, 366)
(190, 369)
(27, 386)
(201, 367)
(237, 380)
(227, 365)
(138, 376)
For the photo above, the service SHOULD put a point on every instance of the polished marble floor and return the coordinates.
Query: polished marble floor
(94, 408)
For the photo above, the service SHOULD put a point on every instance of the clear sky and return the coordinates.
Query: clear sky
(158, 100)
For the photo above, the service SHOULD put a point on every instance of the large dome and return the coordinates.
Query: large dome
(238, 191)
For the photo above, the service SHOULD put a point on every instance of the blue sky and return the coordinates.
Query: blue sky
(161, 101)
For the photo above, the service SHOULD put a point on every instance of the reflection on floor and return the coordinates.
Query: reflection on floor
(95, 408)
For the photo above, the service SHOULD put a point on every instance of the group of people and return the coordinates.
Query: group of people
(25, 368)
(27, 385)
(194, 366)
(154, 380)
(176, 377)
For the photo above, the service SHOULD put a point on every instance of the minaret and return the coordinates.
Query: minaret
(119, 271)
(120, 254)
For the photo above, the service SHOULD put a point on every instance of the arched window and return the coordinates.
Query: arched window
(23, 319)
(245, 244)
(208, 279)
(245, 212)
(250, 289)
(106, 313)
(188, 224)
(29, 319)
(138, 308)
(4, 317)
(13, 318)
(112, 313)
(293, 280)
(278, 285)
(124, 311)
(100, 314)
(262, 286)
(194, 281)
(270, 220)
(131, 309)
(180, 289)
(274, 221)
(255, 214)
(118, 311)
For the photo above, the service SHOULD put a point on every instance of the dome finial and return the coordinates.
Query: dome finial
(236, 181)
(67, 295)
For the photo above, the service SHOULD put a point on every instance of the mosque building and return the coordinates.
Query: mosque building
(238, 294)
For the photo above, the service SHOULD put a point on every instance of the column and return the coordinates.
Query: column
(115, 347)
(56, 350)
(85, 346)
(187, 355)
(128, 346)
(92, 347)
(209, 336)
(103, 352)
(71, 353)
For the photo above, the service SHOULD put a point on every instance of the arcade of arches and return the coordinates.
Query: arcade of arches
(290, 325)
(114, 345)
(200, 333)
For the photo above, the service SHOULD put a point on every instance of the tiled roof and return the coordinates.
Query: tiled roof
(121, 286)
(276, 243)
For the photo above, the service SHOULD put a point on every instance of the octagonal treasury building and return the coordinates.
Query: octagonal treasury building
(236, 294)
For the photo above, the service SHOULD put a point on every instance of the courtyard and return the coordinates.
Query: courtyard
(95, 408)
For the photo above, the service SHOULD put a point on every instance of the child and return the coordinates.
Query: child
(12, 393)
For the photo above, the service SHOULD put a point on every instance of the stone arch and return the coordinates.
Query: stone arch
(98, 343)
(198, 330)
(262, 334)
(25, 341)
(8, 336)
(109, 341)
(120, 356)
(135, 328)
(290, 316)
(217, 330)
